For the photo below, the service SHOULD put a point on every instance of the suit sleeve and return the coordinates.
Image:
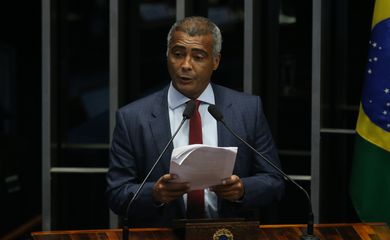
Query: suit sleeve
(123, 176)
(266, 185)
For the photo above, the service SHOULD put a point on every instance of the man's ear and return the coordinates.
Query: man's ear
(216, 60)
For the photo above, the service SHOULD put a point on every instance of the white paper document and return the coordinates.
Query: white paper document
(202, 166)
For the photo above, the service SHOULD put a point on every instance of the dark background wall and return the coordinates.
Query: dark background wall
(20, 113)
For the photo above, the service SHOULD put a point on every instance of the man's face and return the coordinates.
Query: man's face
(191, 63)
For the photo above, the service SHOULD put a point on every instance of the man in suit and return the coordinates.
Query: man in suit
(145, 126)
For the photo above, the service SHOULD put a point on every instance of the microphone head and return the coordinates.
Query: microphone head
(189, 110)
(213, 110)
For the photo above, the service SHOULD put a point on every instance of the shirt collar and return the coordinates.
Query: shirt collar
(176, 98)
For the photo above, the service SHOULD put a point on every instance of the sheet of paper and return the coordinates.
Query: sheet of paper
(202, 166)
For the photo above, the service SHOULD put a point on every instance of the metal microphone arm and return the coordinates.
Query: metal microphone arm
(310, 220)
(309, 235)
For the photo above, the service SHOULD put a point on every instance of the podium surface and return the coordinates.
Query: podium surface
(357, 231)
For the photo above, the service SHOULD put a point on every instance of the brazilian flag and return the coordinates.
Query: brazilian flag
(370, 179)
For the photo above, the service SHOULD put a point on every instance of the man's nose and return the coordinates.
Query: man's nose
(186, 64)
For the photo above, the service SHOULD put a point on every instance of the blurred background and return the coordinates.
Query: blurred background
(67, 65)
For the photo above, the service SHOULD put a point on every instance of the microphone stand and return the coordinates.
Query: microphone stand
(186, 115)
(310, 233)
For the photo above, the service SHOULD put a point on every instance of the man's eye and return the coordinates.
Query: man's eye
(177, 54)
(198, 57)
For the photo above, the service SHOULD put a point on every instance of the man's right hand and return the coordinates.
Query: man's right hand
(165, 191)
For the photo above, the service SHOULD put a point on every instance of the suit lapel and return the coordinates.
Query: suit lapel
(224, 105)
(160, 127)
(161, 132)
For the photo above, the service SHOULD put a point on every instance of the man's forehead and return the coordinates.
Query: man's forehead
(194, 28)
(182, 38)
(186, 34)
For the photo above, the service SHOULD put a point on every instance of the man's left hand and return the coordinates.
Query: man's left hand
(231, 189)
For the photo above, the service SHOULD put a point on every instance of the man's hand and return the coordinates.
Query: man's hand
(231, 189)
(165, 191)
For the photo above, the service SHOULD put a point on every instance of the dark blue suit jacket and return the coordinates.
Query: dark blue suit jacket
(142, 130)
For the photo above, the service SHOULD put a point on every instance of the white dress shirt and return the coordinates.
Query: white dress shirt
(176, 106)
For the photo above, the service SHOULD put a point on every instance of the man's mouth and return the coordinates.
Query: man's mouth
(185, 78)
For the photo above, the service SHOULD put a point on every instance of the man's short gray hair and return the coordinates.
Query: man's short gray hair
(197, 26)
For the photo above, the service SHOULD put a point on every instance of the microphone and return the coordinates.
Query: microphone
(309, 236)
(187, 114)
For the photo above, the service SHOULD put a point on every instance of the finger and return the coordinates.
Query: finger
(232, 195)
(163, 194)
(169, 195)
(229, 190)
(165, 184)
(176, 187)
(230, 180)
(165, 197)
(172, 195)
(228, 194)
(171, 187)
(225, 188)
(167, 177)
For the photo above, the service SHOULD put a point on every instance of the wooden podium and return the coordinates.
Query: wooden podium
(357, 231)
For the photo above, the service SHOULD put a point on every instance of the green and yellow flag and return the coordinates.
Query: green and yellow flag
(370, 177)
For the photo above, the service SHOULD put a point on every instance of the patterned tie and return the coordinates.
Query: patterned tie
(195, 198)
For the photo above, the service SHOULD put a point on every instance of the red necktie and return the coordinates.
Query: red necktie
(195, 198)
